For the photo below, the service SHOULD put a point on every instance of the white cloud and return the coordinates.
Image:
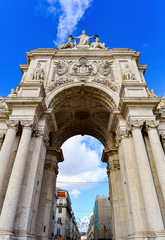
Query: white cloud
(75, 193)
(82, 163)
(69, 12)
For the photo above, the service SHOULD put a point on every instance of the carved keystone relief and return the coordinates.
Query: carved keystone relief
(83, 70)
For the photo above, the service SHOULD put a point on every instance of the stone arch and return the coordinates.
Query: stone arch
(82, 109)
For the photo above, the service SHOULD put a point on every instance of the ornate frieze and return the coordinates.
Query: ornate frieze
(12, 123)
(82, 70)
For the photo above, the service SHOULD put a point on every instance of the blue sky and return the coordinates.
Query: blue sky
(31, 24)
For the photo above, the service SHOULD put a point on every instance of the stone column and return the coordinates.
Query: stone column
(44, 218)
(135, 210)
(152, 208)
(12, 195)
(6, 149)
(28, 211)
(158, 152)
(116, 195)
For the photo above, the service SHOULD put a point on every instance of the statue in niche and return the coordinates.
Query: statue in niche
(38, 72)
(69, 44)
(128, 75)
(98, 44)
(84, 39)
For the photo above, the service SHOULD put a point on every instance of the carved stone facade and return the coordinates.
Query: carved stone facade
(82, 89)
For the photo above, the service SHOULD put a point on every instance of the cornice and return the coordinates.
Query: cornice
(138, 101)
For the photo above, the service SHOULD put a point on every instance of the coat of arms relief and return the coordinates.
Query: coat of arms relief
(82, 70)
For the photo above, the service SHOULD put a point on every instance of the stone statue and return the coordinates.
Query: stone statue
(69, 44)
(128, 74)
(13, 93)
(38, 72)
(98, 44)
(84, 39)
(152, 94)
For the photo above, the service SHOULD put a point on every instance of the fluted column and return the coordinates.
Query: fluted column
(152, 208)
(45, 209)
(158, 152)
(135, 210)
(6, 149)
(116, 195)
(28, 212)
(14, 186)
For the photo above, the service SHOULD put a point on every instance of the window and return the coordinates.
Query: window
(59, 221)
(60, 201)
(60, 210)
(58, 232)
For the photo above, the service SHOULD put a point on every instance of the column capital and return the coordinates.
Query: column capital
(135, 124)
(150, 124)
(51, 165)
(28, 124)
(43, 134)
(12, 124)
(113, 166)
(121, 134)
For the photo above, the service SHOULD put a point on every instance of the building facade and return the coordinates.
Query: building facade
(102, 219)
(82, 89)
(65, 225)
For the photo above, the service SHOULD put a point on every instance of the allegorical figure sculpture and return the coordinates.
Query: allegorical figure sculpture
(38, 72)
(128, 74)
(84, 39)
(98, 44)
(13, 93)
(69, 44)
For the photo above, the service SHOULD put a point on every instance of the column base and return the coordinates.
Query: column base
(11, 236)
(148, 235)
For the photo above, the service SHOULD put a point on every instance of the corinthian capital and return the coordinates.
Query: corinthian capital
(28, 124)
(113, 166)
(43, 134)
(51, 165)
(133, 124)
(12, 124)
(122, 133)
(151, 124)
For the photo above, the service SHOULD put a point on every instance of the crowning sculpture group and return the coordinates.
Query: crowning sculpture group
(83, 41)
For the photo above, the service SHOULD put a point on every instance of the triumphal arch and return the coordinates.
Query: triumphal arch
(82, 88)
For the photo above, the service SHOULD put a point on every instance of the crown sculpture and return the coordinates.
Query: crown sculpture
(83, 42)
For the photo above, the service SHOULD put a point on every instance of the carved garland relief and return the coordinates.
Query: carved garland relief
(83, 70)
